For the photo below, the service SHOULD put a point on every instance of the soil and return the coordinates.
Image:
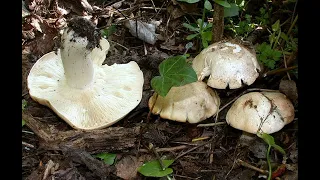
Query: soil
(51, 149)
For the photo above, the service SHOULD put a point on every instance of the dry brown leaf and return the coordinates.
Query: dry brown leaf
(127, 166)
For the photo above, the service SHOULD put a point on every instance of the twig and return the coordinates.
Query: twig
(211, 124)
(194, 148)
(245, 164)
(185, 177)
(294, 10)
(276, 71)
(27, 144)
(154, 6)
(176, 148)
(159, 11)
(119, 45)
(285, 64)
(29, 132)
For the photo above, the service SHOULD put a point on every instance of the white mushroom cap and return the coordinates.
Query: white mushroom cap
(226, 64)
(192, 102)
(269, 110)
(82, 91)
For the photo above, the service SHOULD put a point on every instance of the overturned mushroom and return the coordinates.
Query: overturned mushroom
(266, 112)
(77, 87)
(226, 64)
(192, 102)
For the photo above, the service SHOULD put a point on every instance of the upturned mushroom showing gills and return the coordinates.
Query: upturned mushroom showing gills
(266, 112)
(227, 65)
(191, 103)
(77, 87)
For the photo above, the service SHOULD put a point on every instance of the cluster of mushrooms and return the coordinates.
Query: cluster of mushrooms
(225, 64)
(88, 95)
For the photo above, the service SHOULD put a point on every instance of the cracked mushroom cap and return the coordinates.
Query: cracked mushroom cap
(226, 64)
(269, 110)
(192, 102)
(79, 89)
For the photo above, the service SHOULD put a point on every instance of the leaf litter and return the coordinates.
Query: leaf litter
(42, 23)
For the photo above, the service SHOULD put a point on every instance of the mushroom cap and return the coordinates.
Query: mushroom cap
(269, 110)
(226, 64)
(192, 102)
(114, 92)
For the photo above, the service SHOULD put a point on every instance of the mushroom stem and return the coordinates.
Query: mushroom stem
(76, 59)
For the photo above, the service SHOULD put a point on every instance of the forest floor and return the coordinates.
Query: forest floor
(51, 149)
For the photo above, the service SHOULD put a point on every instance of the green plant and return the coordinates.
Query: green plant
(107, 158)
(202, 29)
(174, 71)
(108, 31)
(264, 17)
(154, 169)
(243, 28)
(270, 141)
(267, 55)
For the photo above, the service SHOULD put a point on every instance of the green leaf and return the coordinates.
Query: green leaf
(222, 3)
(174, 71)
(153, 168)
(277, 147)
(267, 138)
(190, 27)
(108, 31)
(284, 36)
(207, 5)
(23, 122)
(233, 10)
(276, 26)
(107, 158)
(191, 36)
(208, 25)
(199, 22)
(207, 35)
(204, 42)
(189, 1)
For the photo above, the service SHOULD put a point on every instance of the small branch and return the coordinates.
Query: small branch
(155, 8)
(176, 148)
(120, 45)
(276, 71)
(27, 144)
(245, 164)
(211, 124)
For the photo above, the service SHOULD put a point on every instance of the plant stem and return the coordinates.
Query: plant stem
(201, 24)
(269, 163)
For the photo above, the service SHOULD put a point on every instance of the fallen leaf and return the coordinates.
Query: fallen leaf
(127, 167)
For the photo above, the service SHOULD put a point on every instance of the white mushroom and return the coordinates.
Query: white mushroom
(267, 112)
(192, 102)
(226, 64)
(78, 88)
